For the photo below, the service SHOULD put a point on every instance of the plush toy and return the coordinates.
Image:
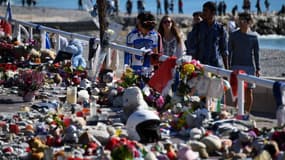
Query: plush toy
(132, 101)
(47, 54)
(75, 47)
(37, 149)
(34, 56)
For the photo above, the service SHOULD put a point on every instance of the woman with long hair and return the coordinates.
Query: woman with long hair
(171, 37)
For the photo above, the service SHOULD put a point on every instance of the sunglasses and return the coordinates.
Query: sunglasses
(167, 21)
(243, 21)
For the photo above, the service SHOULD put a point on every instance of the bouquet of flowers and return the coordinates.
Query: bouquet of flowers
(124, 149)
(30, 80)
(188, 71)
(191, 69)
(129, 78)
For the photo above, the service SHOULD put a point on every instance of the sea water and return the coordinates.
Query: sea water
(272, 42)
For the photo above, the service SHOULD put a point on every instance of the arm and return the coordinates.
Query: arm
(192, 42)
(128, 56)
(179, 50)
(223, 47)
(230, 49)
(256, 57)
(159, 45)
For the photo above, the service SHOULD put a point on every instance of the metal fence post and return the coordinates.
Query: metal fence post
(240, 96)
(43, 39)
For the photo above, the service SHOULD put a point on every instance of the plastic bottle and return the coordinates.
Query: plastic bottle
(93, 108)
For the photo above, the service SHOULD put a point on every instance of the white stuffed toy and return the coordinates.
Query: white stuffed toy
(132, 101)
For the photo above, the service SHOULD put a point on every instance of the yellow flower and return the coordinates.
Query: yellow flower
(188, 69)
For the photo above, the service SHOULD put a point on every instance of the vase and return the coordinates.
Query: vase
(29, 96)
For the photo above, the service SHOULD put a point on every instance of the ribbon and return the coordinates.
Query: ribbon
(234, 82)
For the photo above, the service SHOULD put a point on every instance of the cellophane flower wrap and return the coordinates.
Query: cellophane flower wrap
(30, 80)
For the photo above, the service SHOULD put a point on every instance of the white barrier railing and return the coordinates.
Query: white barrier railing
(218, 71)
(20, 26)
(241, 78)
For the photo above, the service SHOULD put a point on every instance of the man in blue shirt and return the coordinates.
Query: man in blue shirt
(208, 39)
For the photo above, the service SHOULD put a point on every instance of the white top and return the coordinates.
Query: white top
(172, 47)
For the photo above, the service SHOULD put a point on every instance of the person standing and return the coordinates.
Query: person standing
(234, 10)
(23, 3)
(171, 37)
(197, 18)
(1, 1)
(180, 6)
(244, 53)
(80, 5)
(171, 8)
(129, 7)
(116, 7)
(166, 6)
(258, 8)
(220, 8)
(29, 2)
(143, 36)
(158, 7)
(224, 8)
(246, 5)
(140, 6)
(208, 39)
(267, 4)
(34, 2)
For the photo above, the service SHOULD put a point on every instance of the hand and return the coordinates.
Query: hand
(257, 73)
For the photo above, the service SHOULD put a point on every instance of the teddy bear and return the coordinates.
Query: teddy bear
(76, 49)
(132, 100)
(37, 148)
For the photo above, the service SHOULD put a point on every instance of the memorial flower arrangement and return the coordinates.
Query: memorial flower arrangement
(7, 70)
(30, 80)
(129, 78)
(124, 149)
(189, 70)
(155, 100)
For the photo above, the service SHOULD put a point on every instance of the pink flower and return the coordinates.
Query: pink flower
(159, 102)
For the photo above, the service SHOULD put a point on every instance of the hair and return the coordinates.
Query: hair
(146, 20)
(197, 13)
(174, 29)
(246, 16)
(211, 6)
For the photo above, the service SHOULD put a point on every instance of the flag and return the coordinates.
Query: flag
(8, 15)
(162, 75)
(48, 44)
